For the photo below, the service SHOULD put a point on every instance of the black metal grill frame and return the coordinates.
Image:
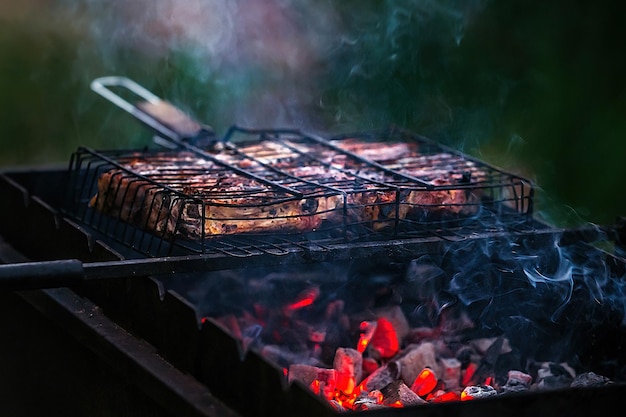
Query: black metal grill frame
(202, 348)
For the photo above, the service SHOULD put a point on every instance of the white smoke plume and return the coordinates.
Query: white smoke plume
(269, 62)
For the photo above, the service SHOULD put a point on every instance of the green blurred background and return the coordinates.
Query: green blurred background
(534, 87)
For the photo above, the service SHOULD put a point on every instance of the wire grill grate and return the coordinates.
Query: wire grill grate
(267, 190)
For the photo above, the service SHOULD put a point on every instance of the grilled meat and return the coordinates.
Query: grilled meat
(286, 185)
(182, 193)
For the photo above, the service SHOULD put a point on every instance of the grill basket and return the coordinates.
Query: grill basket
(272, 189)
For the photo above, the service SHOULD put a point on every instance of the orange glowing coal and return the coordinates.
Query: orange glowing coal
(305, 299)
(380, 335)
(424, 383)
(469, 374)
(466, 397)
(385, 339)
(367, 329)
(425, 386)
(443, 396)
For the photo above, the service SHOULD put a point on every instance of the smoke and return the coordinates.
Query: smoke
(247, 62)
(272, 63)
(160, 27)
(545, 295)
(394, 64)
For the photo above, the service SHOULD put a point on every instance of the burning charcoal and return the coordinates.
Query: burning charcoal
(317, 335)
(450, 325)
(303, 299)
(451, 375)
(425, 382)
(336, 334)
(398, 394)
(467, 355)
(519, 377)
(321, 380)
(380, 378)
(415, 358)
(349, 366)
(336, 405)
(474, 392)
(285, 331)
(316, 340)
(469, 374)
(554, 376)
(307, 373)
(369, 366)
(517, 381)
(371, 400)
(487, 366)
(590, 379)
(381, 331)
(441, 396)
(506, 362)
(395, 316)
(367, 329)
(385, 340)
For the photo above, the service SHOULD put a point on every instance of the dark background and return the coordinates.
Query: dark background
(534, 87)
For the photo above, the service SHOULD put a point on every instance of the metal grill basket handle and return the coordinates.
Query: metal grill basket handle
(163, 117)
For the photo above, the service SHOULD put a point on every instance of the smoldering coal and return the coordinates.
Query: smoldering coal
(551, 302)
(544, 296)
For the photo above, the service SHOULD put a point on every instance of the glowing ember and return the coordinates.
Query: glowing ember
(469, 374)
(367, 331)
(478, 391)
(425, 382)
(422, 335)
(305, 299)
(384, 339)
(443, 396)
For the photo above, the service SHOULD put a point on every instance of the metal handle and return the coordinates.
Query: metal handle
(158, 114)
(47, 274)
(73, 272)
(173, 124)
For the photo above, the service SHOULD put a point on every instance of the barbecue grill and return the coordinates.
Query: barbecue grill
(146, 307)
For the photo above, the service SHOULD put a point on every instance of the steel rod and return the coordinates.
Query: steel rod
(73, 272)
